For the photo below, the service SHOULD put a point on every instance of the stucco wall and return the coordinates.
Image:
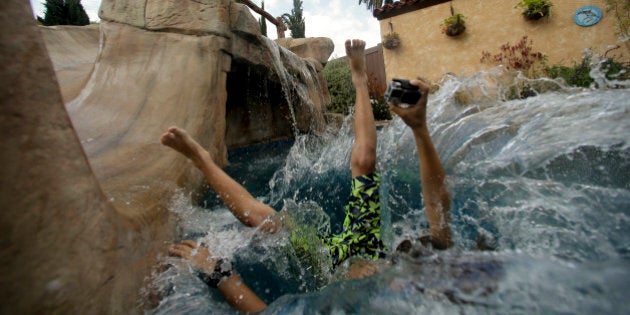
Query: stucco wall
(425, 51)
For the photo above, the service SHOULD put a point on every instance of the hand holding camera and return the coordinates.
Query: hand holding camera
(409, 102)
(401, 93)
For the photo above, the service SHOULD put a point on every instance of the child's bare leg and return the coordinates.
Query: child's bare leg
(363, 159)
(241, 203)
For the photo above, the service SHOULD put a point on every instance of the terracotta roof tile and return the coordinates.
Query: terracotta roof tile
(394, 6)
(403, 6)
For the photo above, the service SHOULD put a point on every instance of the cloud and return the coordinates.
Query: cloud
(336, 19)
(339, 29)
(91, 8)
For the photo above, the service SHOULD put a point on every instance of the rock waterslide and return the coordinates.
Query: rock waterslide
(83, 242)
(58, 251)
(72, 50)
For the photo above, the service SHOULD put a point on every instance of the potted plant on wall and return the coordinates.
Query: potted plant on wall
(535, 9)
(454, 25)
(391, 40)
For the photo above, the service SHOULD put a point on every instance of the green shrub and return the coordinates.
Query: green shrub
(339, 81)
(578, 74)
(616, 70)
(380, 109)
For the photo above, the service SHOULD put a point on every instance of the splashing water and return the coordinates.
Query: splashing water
(543, 180)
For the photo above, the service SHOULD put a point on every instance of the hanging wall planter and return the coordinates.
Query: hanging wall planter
(391, 40)
(535, 9)
(454, 25)
(455, 29)
(532, 14)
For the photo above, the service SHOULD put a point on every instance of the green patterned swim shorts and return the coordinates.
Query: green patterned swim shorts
(361, 234)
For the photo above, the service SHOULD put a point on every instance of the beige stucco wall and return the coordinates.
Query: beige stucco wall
(425, 51)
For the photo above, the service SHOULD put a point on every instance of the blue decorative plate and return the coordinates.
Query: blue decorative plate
(587, 16)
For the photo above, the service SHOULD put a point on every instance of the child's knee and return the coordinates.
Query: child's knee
(364, 160)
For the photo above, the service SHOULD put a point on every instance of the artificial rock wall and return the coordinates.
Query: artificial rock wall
(86, 187)
(60, 238)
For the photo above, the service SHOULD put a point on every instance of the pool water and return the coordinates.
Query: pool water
(544, 181)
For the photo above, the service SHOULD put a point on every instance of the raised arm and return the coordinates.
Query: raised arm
(434, 193)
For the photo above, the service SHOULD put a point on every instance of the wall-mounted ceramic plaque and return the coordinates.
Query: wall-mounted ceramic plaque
(587, 16)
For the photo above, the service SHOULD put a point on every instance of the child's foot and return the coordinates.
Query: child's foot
(355, 50)
(182, 142)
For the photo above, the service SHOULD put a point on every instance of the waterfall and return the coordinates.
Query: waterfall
(300, 84)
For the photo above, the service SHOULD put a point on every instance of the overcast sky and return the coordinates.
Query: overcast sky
(335, 19)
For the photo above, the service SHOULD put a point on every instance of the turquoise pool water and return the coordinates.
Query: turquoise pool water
(545, 180)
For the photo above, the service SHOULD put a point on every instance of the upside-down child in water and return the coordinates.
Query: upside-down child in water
(361, 233)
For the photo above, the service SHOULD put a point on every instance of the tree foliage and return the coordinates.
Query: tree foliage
(64, 12)
(54, 14)
(374, 4)
(295, 20)
(76, 13)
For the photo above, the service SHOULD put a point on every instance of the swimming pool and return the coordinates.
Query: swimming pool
(544, 180)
